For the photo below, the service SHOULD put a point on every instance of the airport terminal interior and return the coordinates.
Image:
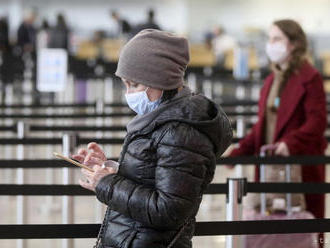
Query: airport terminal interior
(59, 91)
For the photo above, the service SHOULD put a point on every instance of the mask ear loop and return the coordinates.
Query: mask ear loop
(158, 98)
(147, 93)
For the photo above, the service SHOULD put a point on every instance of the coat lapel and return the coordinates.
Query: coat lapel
(290, 98)
(264, 97)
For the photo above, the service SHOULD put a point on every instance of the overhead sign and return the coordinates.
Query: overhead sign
(52, 69)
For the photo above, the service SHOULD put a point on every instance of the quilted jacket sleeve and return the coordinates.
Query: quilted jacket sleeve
(186, 163)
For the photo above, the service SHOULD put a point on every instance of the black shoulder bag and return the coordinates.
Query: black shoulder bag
(105, 221)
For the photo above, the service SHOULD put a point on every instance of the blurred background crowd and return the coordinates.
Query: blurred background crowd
(216, 29)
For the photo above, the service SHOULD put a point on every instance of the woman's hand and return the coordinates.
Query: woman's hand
(95, 156)
(227, 154)
(282, 149)
(93, 178)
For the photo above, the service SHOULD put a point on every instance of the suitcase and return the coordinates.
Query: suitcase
(295, 240)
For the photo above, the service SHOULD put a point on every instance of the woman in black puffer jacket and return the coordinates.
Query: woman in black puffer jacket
(169, 154)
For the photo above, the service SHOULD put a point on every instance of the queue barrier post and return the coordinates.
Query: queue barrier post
(69, 143)
(237, 188)
(99, 106)
(240, 132)
(21, 201)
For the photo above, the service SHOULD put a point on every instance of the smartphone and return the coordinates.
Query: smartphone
(72, 161)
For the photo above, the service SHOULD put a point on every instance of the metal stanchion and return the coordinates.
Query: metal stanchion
(218, 88)
(21, 202)
(240, 132)
(99, 108)
(69, 143)
(240, 95)
(255, 92)
(192, 82)
(99, 207)
(108, 90)
(208, 88)
(236, 191)
(262, 180)
(288, 195)
(50, 205)
(240, 92)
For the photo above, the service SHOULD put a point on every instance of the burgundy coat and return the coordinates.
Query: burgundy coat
(301, 123)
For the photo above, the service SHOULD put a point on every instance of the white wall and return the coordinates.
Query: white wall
(234, 15)
(88, 15)
(183, 16)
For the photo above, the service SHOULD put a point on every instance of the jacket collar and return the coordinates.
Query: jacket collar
(140, 122)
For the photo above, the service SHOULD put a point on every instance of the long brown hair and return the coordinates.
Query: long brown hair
(298, 39)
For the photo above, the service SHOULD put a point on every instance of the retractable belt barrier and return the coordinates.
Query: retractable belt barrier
(57, 141)
(113, 104)
(314, 188)
(103, 115)
(243, 160)
(228, 103)
(219, 188)
(80, 128)
(202, 228)
(62, 105)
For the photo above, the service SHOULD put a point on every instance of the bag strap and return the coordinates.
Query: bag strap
(177, 236)
(101, 231)
(99, 236)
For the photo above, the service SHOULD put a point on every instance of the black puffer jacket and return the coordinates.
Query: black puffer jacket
(166, 163)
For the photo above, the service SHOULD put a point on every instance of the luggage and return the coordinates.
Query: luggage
(285, 212)
(291, 240)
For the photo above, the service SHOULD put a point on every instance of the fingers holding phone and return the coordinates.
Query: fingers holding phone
(97, 150)
(80, 156)
(93, 155)
(93, 178)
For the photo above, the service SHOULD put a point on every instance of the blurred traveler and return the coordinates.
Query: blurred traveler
(43, 35)
(4, 35)
(222, 44)
(59, 34)
(149, 24)
(26, 34)
(292, 115)
(124, 28)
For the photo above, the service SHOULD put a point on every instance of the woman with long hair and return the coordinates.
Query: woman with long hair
(292, 115)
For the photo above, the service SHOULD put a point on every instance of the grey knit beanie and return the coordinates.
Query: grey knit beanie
(154, 58)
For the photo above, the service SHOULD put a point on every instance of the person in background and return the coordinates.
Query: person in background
(124, 28)
(26, 34)
(169, 154)
(149, 24)
(5, 56)
(222, 44)
(98, 39)
(208, 39)
(43, 35)
(59, 34)
(4, 35)
(292, 115)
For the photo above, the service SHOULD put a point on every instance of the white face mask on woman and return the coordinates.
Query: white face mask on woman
(277, 52)
(140, 103)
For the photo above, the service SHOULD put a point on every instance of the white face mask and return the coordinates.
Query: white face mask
(140, 103)
(277, 52)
